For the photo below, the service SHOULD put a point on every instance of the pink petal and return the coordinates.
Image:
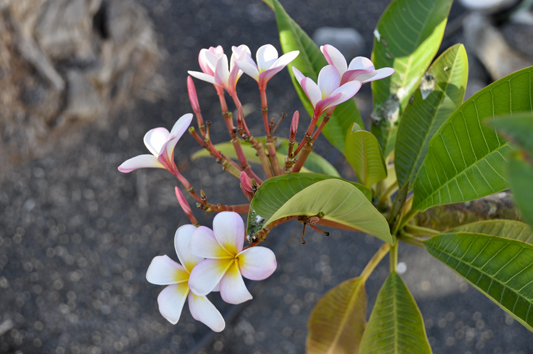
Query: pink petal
(358, 63)
(164, 271)
(141, 161)
(249, 68)
(229, 231)
(311, 90)
(181, 244)
(171, 301)
(298, 75)
(335, 58)
(352, 75)
(266, 56)
(232, 287)
(155, 139)
(327, 102)
(222, 72)
(207, 274)
(257, 263)
(376, 75)
(204, 244)
(202, 76)
(348, 90)
(328, 80)
(266, 75)
(204, 311)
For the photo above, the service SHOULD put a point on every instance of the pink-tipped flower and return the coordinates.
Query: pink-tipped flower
(268, 63)
(215, 69)
(161, 144)
(361, 69)
(328, 92)
(226, 262)
(164, 271)
(193, 97)
(294, 126)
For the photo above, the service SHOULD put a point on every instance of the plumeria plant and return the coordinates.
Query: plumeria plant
(424, 148)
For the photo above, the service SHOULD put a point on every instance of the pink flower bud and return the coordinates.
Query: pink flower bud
(193, 97)
(294, 125)
(246, 183)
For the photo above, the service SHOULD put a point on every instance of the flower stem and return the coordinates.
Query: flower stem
(393, 256)
(420, 231)
(303, 156)
(374, 261)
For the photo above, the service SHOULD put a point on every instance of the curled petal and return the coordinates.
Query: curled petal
(202, 76)
(141, 161)
(327, 102)
(222, 72)
(257, 263)
(229, 231)
(311, 90)
(181, 244)
(249, 68)
(352, 75)
(171, 301)
(375, 75)
(155, 139)
(358, 63)
(232, 287)
(266, 56)
(204, 244)
(298, 75)
(181, 125)
(328, 80)
(334, 57)
(204, 311)
(207, 274)
(163, 271)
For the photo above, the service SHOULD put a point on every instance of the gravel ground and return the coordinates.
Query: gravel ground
(76, 236)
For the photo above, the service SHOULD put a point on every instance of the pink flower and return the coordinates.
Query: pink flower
(268, 63)
(214, 64)
(165, 271)
(360, 68)
(226, 262)
(161, 144)
(329, 92)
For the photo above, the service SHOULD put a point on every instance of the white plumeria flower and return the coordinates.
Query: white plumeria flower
(165, 271)
(328, 92)
(226, 262)
(361, 69)
(268, 63)
(161, 144)
(215, 66)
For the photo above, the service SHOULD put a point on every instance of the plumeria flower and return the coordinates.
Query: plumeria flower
(268, 63)
(328, 92)
(164, 271)
(226, 262)
(214, 64)
(361, 69)
(161, 144)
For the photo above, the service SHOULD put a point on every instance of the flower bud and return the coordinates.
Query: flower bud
(294, 125)
(246, 183)
(193, 97)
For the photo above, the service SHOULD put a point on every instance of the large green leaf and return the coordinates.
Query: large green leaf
(363, 153)
(438, 96)
(512, 229)
(407, 38)
(338, 320)
(465, 159)
(314, 163)
(395, 325)
(275, 192)
(500, 268)
(517, 129)
(521, 179)
(309, 62)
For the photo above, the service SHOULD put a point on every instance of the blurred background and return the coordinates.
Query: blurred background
(82, 81)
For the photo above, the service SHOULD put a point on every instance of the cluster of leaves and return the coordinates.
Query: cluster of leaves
(431, 147)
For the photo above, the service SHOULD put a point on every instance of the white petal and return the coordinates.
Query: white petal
(202, 76)
(238, 53)
(266, 56)
(204, 59)
(222, 72)
(311, 90)
(298, 75)
(257, 263)
(164, 271)
(171, 301)
(155, 139)
(361, 63)
(181, 244)
(207, 274)
(204, 244)
(328, 80)
(229, 231)
(285, 59)
(375, 75)
(349, 89)
(249, 69)
(232, 287)
(181, 125)
(204, 311)
(141, 161)
(334, 57)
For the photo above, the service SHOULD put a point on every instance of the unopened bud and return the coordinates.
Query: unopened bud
(185, 206)
(246, 183)
(193, 97)
(294, 125)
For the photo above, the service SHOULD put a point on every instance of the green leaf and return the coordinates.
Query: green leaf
(314, 163)
(309, 62)
(517, 129)
(395, 325)
(511, 229)
(465, 159)
(438, 96)
(343, 204)
(338, 320)
(407, 38)
(500, 268)
(363, 153)
(521, 179)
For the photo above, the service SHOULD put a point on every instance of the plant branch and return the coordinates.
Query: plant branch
(374, 261)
